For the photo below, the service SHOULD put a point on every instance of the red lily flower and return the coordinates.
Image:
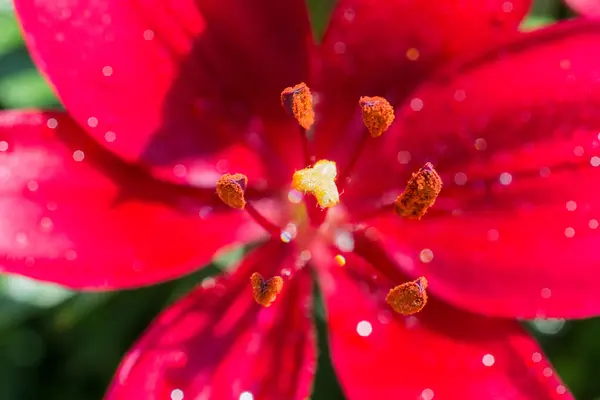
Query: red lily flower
(164, 98)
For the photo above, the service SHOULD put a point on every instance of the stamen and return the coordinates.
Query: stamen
(378, 114)
(231, 188)
(265, 291)
(408, 298)
(421, 191)
(318, 180)
(297, 101)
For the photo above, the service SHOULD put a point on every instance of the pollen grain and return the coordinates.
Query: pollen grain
(265, 291)
(421, 191)
(231, 188)
(377, 113)
(408, 298)
(298, 101)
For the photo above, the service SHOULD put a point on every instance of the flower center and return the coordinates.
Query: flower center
(314, 192)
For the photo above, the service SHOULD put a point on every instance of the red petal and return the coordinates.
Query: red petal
(218, 343)
(75, 214)
(441, 352)
(589, 8)
(514, 232)
(368, 47)
(173, 83)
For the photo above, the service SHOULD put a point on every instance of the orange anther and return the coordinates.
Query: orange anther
(265, 291)
(231, 188)
(377, 113)
(408, 298)
(297, 101)
(421, 191)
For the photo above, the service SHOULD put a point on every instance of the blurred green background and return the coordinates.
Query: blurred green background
(60, 345)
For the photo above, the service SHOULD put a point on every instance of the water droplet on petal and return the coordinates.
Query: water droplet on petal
(110, 136)
(78, 155)
(546, 293)
(571, 205)
(569, 232)
(560, 389)
(427, 394)
(364, 328)
(92, 122)
(285, 236)
(107, 70)
(177, 394)
(21, 238)
(71, 255)
(547, 372)
(339, 47)
(493, 235)
(507, 6)
(340, 260)
(46, 224)
(52, 123)
(349, 14)
(416, 104)
(179, 170)
(595, 161)
(505, 178)
(460, 178)
(294, 196)
(480, 144)
(536, 357)
(578, 151)
(344, 240)
(488, 360)
(593, 224)
(426, 256)
(148, 34)
(246, 396)
(3, 145)
(32, 186)
(404, 157)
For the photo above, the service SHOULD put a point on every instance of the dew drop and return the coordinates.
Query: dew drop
(560, 389)
(71, 255)
(569, 232)
(536, 357)
(427, 394)
(404, 157)
(107, 70)
(78, 155)
(595, 161)
(593, 224)
(546, 293)
(565, 64)
(488, 360)
(246, 396)
(177, 394)
(148, 34)
(505, 178)
(460, 95)
(339, 47)
(179, 170)
(110, 136)
(92, 122)
(32, 186)
(344, 240)
(547, 372)
(21, 238)
(208, 283)
(349, 14)
(493, 235)
(52, 206)
(578, 151)
(571, 205)
(507, 6)
(480, 144)
(286, 272)
(305, 255)
(460, 178)
(416, 104)
(340, 260)
(294, 196)
(426, 256)
(3, 145)
(544, 172)
(46, 224)
(285, 236)
(364, 328)
(222, 166)
(52, 123)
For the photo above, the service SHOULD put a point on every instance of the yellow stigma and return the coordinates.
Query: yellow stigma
(408, 298)
(297, 101)
(318, 180)
(231, 188)
(265, 292)
(421, 191)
